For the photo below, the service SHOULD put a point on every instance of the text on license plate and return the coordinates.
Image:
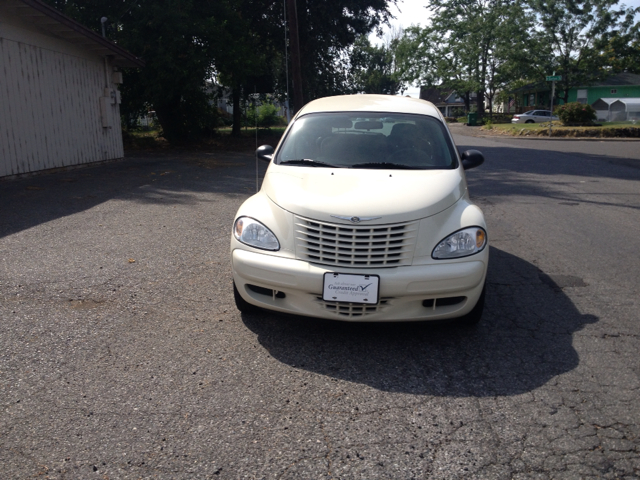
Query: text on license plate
(346, 287)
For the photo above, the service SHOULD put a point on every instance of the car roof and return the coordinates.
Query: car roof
(371, 103)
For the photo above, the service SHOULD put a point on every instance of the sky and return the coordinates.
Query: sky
(412, 12)
(408, 13)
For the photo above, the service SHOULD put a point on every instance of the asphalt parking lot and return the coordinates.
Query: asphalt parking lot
(122, 354)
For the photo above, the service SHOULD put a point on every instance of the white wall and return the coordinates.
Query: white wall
(50, 102)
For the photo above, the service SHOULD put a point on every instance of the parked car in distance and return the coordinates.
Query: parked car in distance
(534, 116)
(363, 215)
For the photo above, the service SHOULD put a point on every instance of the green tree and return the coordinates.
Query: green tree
(188, 43)
(327, 30)
(621, 51)
(373, 68)
(424, 56)
(251, 57)
(178, 40)
(468, 47)
(577, 35)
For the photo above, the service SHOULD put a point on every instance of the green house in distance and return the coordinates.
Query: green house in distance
(620, 87)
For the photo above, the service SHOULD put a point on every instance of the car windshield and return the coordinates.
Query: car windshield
(353, 140)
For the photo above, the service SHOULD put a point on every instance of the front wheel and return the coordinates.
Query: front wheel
(241, 303)
(475, 315)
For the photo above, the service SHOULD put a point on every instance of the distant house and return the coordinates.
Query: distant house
(533, 96)
(59, 100)
(448, 102)
(621, 86)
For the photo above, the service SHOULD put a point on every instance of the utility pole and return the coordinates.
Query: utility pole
(296, 69)
(286, 61)
(553, 79)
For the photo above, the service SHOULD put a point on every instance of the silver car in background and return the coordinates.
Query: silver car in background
(534, 116)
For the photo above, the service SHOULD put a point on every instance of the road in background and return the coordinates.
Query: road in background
(577, 201)
(122, 354)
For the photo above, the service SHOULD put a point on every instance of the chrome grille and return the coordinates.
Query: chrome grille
(356, 246)
(352, 310)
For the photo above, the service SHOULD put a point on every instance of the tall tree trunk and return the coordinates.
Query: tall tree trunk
(467, 101)
(171, 121)
(565, 95)
(296, 66)
(480, 103)
(483, 80)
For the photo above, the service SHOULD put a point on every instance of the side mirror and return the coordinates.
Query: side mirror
(472, 159)
(265, 153)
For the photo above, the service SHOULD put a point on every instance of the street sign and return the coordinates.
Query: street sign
(555, 78)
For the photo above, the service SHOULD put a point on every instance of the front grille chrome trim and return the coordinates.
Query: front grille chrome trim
(355, 246)
(353, 310)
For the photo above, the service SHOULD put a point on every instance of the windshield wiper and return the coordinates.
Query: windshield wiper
(308, 162)
(385, 165)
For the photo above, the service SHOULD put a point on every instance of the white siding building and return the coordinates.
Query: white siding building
(59, 98)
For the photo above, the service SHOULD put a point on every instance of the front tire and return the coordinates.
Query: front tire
(242, 304)
(475, 315)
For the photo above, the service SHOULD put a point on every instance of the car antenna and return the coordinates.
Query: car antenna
(255, 114)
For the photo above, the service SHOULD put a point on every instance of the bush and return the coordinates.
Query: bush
(222, 118)
(501, 118)
(576, 114)
(267, 116)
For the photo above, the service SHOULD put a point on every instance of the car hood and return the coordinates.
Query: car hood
(393, 195)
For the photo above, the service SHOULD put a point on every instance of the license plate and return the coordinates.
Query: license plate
(346, 287)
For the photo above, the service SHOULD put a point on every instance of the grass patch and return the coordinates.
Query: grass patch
(606, 130)
(515, 128)
(620, 124)
(143, 140)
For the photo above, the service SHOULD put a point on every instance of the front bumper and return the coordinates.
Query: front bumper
(442, 290)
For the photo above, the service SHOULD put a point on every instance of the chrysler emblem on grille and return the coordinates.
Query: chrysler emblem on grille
(356, 219)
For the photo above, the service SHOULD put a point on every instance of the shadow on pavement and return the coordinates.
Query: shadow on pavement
(524, 340)
(161, 178)
(172, 178)
(511, 171)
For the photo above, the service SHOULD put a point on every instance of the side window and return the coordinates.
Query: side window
(582, 96)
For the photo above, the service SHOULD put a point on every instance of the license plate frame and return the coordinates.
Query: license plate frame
(351, 288)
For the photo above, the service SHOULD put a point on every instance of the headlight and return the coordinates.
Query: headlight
(253, 233)
(461, 244)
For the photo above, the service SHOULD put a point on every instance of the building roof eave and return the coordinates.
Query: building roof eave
(58, 24)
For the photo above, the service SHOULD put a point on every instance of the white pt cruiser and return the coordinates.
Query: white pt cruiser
(363, 215)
